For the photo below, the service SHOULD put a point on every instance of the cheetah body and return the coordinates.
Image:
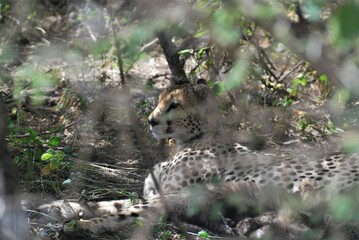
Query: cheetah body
(207, 156)
(189, 115)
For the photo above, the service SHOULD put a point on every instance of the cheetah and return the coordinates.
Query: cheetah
(208, 162)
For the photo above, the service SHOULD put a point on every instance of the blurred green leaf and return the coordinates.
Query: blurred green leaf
(201, 51)
(218, 88)
(33, 134)
(350, 144)
(300, 81)
(54, 141)
(7, 53)
(149, 84)
(224, 26)
(203, 234)
(51, 151)
(342, 208)
(54, 163)
(100, 47)
(38, 153)
(237, 74)
(16, 160)
(5, 6)
(31, 77)
(186, 52)
(342, 95)
(323, 78)
(68, 149)
(60, 155)
(348, 19)
(27, 154)
(25, 140)
(200, 32)
(313, 9)
(46, 156)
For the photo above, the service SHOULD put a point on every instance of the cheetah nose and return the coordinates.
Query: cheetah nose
(152, 121)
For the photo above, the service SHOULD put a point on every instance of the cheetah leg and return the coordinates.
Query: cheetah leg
(112, 222)
(63, 210)
(177, 204)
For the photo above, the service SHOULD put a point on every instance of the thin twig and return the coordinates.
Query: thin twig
(147, 45)
(92, 35)
(41, 213)
(106, 167)
(143, 48)
(287, 62)
(263, 58)
(171, 53)
(291, 71)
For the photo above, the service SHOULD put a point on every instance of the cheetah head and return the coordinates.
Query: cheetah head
(184, 112)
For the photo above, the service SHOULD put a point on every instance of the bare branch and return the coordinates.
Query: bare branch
(172, 57)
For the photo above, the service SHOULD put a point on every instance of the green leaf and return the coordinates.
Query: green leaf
(51, 151)
(323, 78)
(16, 160)
(200, 32)
(33, 134)
(186, 52)
(201, 51)
(26, 140)
(300, 81)
(54, 163)
(68, 149)
(348, 19)
(54, 141)
(224, 26)
(27, 154)
(46, 156)
(72, 224)
(342, 208)
(218, 88)
(292, 91)
(238, 73)
(342, 95)
(60, 155)
(38, 153)
(149, 84)
(203, 234)
(99, 47)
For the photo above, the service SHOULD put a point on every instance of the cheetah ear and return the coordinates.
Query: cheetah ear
(202, 92)
(176, 81)
(201, 81)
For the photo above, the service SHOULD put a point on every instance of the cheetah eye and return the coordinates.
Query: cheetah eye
(172, 106)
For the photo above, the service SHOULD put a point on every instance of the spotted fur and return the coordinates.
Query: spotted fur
(189, 115)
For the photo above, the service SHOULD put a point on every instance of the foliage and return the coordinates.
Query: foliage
(33, 144)
(203, 234)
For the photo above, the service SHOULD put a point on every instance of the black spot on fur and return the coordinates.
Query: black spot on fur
(290, 186)
(134, 214)
(118, 206)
